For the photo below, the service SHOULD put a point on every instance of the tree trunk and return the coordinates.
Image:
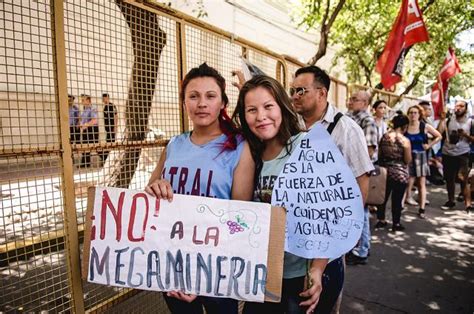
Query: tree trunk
(326, 25)
(322, 47)
(148, 41)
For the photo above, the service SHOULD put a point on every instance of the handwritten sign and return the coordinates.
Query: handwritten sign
(322, 198)
(197, 245)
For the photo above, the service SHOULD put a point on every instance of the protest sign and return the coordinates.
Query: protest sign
(324, 204)
(198, 245)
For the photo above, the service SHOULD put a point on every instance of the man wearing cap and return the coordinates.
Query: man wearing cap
(110, 122)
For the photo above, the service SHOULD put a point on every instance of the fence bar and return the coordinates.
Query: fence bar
(70, 216)
(181, 56)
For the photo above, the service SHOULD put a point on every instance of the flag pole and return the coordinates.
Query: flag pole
(441, 90)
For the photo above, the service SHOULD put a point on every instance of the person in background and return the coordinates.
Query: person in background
(359, 103)
(110, 122)
(394, 154)
(427, 112)
(418, 169)
(213, 146)
(74, 130)
(379, 109)
(89, 128)
(435, 165)
(456, 149)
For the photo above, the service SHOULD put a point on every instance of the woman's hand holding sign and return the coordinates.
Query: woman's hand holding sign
(182, 296)
(161, 189)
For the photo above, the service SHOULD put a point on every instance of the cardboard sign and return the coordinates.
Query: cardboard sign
(324, 206)
(198, 245)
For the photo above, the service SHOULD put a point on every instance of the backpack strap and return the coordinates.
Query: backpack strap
(446, 131)
(332, 125)
(471, 132)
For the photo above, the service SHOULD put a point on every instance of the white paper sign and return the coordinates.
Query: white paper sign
(198, 245)
(324, 205)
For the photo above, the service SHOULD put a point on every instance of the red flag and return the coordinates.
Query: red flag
(449, 69)
(450, 66)
(408, 30)
(438, 96)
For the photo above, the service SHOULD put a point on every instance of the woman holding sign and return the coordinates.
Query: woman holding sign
(270, 124)
(213, 160)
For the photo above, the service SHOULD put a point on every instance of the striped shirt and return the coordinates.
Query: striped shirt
(367, 123)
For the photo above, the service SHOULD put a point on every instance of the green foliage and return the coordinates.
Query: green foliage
(362, 27)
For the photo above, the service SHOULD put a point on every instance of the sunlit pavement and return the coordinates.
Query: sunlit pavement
(426, 268)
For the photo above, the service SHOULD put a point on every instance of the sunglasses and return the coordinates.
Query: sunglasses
(300, 91)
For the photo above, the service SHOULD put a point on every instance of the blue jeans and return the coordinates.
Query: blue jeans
(363, 247)
(332, 281)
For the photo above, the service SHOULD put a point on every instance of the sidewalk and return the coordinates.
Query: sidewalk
(427, 268)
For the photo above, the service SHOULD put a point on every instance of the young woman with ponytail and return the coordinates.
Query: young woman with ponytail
(212, 160)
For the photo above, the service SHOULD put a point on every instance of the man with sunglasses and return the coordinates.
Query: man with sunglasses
(309, 93)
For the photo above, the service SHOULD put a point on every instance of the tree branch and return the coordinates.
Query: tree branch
(336, 12)
(325, 29)
(415, 80)
(326, 14)
(427, 5)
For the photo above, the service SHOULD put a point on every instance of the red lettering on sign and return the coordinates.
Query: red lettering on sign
(116, 213)
(133, 213)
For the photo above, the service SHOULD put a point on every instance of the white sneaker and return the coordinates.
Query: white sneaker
(411, 201)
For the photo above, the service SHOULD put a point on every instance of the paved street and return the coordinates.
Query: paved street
(427, 268)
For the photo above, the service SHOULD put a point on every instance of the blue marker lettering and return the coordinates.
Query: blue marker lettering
(101, 265)
(201, 266)
(130, 270)
(219, 275)
(118, 265)
(233, 283)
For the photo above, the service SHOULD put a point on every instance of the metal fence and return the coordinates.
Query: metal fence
(135, 52)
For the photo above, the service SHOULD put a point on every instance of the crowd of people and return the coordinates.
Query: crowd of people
(414, 149)
(267, 124)
(84, 124)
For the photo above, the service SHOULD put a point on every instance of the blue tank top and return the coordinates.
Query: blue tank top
(417, 140)
(203, 170)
